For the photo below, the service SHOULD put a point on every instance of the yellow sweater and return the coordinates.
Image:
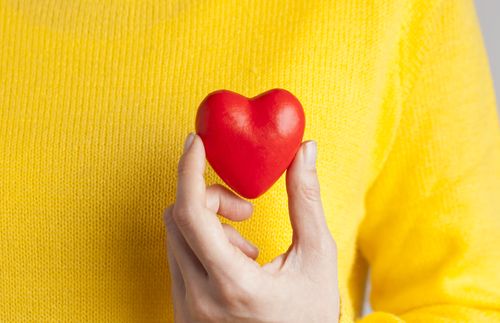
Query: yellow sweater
(96, 98)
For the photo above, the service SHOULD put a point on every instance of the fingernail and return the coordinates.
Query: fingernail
(189, 141)
(310, 153)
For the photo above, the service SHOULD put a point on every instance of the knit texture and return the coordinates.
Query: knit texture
(96, 98)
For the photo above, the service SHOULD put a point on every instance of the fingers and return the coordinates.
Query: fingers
(200, 227)
(190, 181)
(176, 279)
(224, 202)
(304, 200)
(241, 243)
(276, 264)
(186, 269)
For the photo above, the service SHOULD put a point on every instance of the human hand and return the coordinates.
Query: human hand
(215, 277)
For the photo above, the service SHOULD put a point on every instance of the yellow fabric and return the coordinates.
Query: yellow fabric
(96, 98)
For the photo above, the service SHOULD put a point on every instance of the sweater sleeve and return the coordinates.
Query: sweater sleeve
(431, 233)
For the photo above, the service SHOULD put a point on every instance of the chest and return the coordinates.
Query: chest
(97, 99)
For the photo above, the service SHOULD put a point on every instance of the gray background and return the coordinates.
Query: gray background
(489, 18)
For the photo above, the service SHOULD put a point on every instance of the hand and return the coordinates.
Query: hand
(215, 277)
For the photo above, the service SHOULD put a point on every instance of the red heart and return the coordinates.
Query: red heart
(250, 142)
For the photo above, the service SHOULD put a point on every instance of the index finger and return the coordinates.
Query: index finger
(200, 227)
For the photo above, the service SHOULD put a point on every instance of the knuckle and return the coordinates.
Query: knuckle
(305, 186)
(309, 192)
(227, 292)
(182, 215)
(167, 216)
(237, 295)
(236, 206)
(242, 207)
(199, 309)
(215, 187)
(213, 191)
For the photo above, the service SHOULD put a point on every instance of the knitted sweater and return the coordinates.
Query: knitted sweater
(96, 98)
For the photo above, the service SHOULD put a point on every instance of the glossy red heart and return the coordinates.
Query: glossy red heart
(250, 142)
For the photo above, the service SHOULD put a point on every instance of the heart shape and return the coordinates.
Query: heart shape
(250, 142)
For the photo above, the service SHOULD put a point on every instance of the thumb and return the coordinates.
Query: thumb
(304, 199)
